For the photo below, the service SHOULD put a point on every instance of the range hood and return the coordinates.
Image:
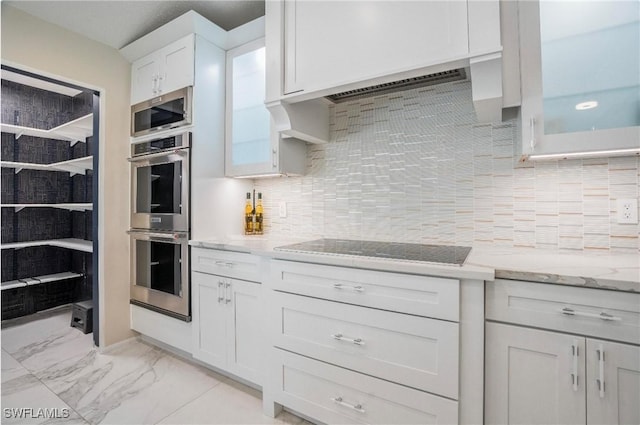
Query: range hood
(400, 85)
(307, 117)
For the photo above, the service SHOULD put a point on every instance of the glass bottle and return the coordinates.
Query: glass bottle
(259, 215)
(248, 216)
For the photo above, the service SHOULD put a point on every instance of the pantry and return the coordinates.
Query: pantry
(48, 154)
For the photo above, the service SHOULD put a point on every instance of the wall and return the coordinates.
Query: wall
(416, 166)
(50, 50)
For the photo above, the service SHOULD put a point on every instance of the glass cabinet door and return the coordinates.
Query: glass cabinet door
(580, 75)
(248, 141)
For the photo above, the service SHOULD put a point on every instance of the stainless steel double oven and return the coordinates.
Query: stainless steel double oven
(160, 225)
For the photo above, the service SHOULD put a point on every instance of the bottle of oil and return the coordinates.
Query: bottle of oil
(248, 216)
(259, 215)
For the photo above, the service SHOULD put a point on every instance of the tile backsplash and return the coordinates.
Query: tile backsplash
(416, 166)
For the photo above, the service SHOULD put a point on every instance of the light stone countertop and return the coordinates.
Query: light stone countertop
(603, 270)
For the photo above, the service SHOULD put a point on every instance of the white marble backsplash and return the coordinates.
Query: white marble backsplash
(417, 166)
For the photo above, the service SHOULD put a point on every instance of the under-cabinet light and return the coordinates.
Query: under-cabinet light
(573, 155)
(582, 106)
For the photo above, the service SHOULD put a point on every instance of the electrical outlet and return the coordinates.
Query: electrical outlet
(627, 211)
(282, 207)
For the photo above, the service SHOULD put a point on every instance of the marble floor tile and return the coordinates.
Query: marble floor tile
(48, 365)
(11, 368)
(133, 384)
(227, 403)
(42, 343)
(25, 400)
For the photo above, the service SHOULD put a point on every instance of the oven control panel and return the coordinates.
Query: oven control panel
(160, 145)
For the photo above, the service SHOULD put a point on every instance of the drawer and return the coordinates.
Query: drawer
(420, 295)
(331, 394)
(237, 265)
(410, 350)
(592, 312)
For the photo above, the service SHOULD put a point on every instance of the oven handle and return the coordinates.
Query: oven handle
(181, 152)
(159, 237)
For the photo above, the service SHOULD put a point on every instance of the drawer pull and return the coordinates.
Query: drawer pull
(340, 337)
(358, 288)
(575, 352)
(227, 291)
(227, 264)
(220, 297)
(600, 380)
(603, 316)
(341, 402)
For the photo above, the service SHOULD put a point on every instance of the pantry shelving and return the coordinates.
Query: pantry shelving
(73, 131)
(72, 166)
(69, 243)
(20, 283)
(85, 206)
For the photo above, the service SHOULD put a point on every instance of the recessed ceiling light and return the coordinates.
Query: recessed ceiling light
(587, 105)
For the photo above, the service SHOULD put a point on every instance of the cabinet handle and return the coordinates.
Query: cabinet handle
(275, 158)
(358, 288)
(227, 287)
(600, 380)
(340, 337)
(603, 316)
(154, 80)
(574, 375)
(160, 78)
(532, 125)
(341, 402)
(227, 264)
(220, 298)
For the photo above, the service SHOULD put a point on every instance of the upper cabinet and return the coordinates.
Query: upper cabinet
(319, 51)
(580, 78)
(329, 44)
(164, 70)
(252, 149)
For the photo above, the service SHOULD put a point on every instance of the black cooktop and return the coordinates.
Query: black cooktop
(442, 254)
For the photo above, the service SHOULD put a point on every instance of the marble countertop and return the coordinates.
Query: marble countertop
(601, 270)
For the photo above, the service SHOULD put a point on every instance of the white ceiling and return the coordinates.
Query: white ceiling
(118, 23)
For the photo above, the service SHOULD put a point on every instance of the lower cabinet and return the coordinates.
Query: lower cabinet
(529, 376)
(227, 317)
(357, 346)
(332, 394)
(557, 376)
(613, 384)
(543, 377)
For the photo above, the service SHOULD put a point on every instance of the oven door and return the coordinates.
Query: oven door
(164, 112)
(160, 272)
(160, 191)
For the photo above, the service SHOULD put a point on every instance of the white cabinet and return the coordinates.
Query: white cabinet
(540, 377)
(227, 317)
(251, 147)
(578, 93)
(164, 70)
(363, 346)
(537, 376)
(529, 377)
(329, 44)
(613, 387)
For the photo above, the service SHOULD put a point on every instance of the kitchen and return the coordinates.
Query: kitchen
(438, 164)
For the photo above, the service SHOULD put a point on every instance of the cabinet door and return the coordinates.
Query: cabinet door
(533, 377)
(244, 330)
(248, 138)
(144, 78)
(613, 389)
(339, 42)
(177, 65)
(578, 93)
(210, 304)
